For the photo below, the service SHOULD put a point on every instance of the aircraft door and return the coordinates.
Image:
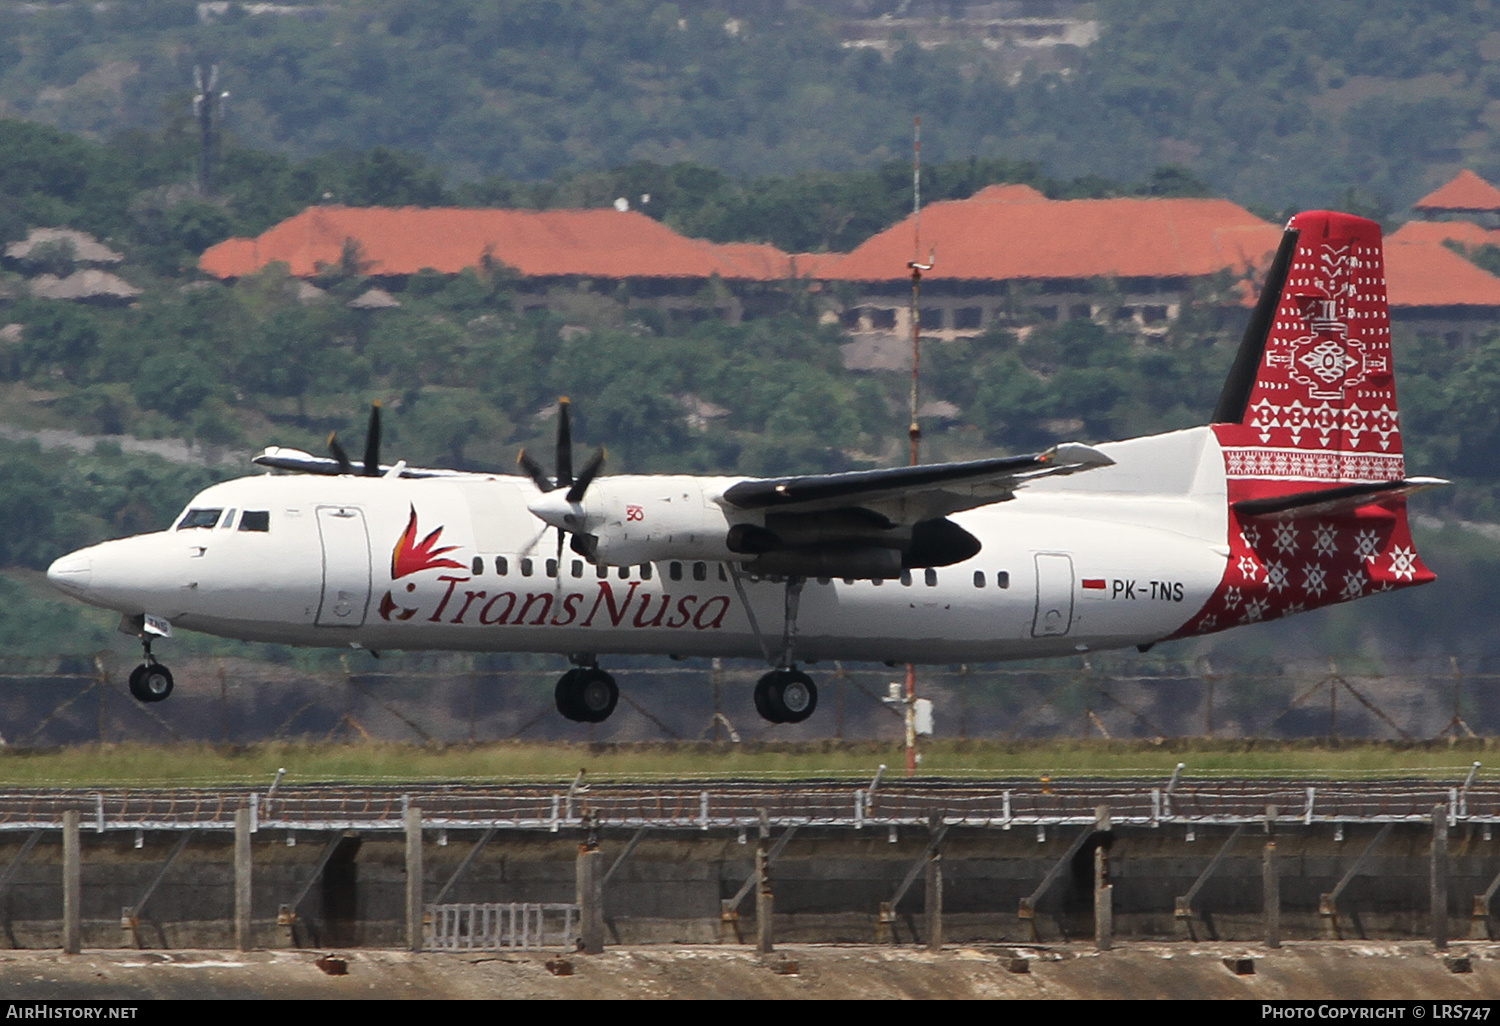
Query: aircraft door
(346, 566)
(1054, 595)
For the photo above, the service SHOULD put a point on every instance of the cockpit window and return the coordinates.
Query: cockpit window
(199, 518)
(255, 520)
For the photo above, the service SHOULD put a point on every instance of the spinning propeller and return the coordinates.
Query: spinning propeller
(371, 466)
(564, 515)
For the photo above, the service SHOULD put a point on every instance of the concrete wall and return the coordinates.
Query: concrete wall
(828, 885)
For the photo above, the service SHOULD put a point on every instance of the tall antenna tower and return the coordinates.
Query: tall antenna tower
(914, 429)
(208, 110)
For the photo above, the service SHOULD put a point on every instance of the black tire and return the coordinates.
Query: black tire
(795, 696)
(151, 682)
(597, 696)
(763, 703)
(586, 695)
(566, 696)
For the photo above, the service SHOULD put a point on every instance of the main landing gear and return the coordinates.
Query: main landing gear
(786, 694)
(586, 694)
(150, 681)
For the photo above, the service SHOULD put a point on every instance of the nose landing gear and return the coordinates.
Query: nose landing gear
(586, 694)
(150, 681)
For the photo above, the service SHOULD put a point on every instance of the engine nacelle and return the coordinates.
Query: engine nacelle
(629, 520)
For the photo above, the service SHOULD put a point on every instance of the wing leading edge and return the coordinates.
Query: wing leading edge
(912, 494)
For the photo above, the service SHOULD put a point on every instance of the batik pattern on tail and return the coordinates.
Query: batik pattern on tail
(1321, 414)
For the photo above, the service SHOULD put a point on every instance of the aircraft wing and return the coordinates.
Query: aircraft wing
(280, 458)
(912, 494)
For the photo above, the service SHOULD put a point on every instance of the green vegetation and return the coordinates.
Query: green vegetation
(201, 766)
(1271, 103)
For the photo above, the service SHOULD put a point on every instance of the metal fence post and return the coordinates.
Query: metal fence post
(935, 902)
(1271, 896)
(414, 938)
(242, 938)
(72, 885)
(764, 939)
(590, 896)
(1440, 878)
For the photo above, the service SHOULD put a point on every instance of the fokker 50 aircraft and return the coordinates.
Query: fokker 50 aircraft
(1293, 497)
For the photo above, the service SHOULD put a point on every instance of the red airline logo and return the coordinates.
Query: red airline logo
(411, 557)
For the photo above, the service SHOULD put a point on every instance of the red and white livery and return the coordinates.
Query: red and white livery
(1294, 497)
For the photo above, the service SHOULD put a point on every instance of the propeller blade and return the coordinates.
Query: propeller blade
(564, 461)
(372, 442)
(534, 471)
(590, 471)
(345, 467)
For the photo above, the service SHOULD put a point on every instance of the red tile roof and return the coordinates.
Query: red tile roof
(1002, 233)
(1428, 273)
(1466, 233)
(403, 240)
(1467, 192)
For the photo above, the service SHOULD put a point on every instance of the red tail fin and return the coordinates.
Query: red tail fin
(1311, 439)
(1321, 406)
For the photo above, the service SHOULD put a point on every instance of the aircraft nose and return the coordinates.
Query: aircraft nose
(72, 573)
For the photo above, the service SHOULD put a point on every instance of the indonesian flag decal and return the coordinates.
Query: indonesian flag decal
(411, 557)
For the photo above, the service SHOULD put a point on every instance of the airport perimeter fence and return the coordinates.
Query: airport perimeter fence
(450, 700)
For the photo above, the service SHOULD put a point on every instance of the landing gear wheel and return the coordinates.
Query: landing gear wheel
(786, 696)
(586, 695)
(150, 682)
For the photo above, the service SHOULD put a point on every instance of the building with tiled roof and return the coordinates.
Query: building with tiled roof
(1122, 260)
(1467, 193)
(1006, 256)
(546, 248)
(1432, 286)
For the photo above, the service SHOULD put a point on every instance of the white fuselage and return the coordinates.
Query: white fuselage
(1122, 555)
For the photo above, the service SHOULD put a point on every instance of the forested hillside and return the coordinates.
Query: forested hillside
(1272, 102)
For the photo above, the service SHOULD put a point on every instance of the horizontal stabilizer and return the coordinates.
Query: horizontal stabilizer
(1343, 499)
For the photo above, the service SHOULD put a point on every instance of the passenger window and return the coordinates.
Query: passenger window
(979, 578)
(199, 518)
(674, 571)
(877, 582)
(906, 578)
(700, 571)
(623, 573)
(478, 566)
(502, 565)
(645, 571)
(255, 520)
(931, 577)
(601, 571)
(577, 568)
(848, 580)
(723, 574)
(526, 568)
(1002, 579)
(551, 568)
